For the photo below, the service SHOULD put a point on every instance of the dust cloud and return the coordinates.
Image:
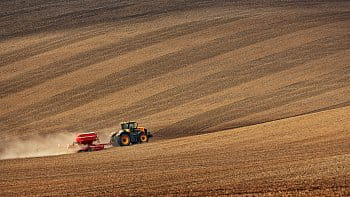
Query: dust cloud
(38, 146)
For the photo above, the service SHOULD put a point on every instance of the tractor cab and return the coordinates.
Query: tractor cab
(129, 125)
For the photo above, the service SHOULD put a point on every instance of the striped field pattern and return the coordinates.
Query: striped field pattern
(180, 68)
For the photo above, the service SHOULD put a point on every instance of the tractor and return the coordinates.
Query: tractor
(130, 133)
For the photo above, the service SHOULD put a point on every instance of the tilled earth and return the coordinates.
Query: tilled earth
(305, 155)
(243, 97)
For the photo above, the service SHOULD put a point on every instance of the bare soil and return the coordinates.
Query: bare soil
(305, 155)
(243, 97)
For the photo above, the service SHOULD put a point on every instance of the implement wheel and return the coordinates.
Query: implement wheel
(124, 139)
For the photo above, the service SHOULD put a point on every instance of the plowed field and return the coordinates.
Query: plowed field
(243, 97)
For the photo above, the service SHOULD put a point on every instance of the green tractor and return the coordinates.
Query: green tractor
(130, 133)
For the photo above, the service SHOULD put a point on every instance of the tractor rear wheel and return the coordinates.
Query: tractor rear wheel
(124, 139)
(143, 138)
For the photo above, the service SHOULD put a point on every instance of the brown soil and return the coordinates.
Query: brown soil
(306, 155)
(187, 70)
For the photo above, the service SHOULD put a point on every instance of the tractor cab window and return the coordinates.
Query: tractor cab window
(129, 125)
(124, 126)
(133, 125)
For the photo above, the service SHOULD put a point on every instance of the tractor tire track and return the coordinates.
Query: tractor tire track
(84, 59)
(246, 107)
(218, 82)
(237, 75)
(163, 65)
(72, 15)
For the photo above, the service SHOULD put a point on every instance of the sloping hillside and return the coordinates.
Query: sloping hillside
(180, 68)
(306, 155)
(243, 97)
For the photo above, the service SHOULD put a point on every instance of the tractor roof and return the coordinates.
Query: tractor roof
(128, 122)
